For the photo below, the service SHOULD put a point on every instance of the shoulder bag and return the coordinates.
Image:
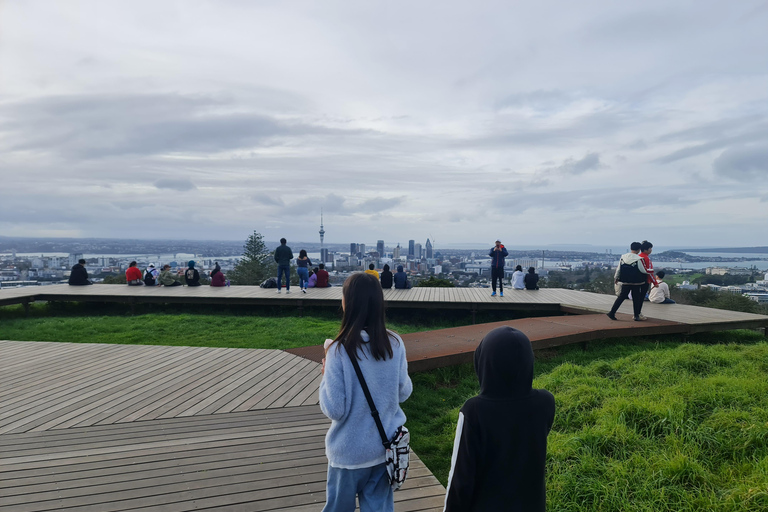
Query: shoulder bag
(398, 449)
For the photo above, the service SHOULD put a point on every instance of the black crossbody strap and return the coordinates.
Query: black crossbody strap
(367, 393)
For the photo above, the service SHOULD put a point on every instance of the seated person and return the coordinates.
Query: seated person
(517, 278)
(166, 277)
(401, 279)
(192, 276)
(531, 279)
(151, 275)
(133, 275)
(322, 277)
(386, 278)
(312, 283)
(660, 294)
(217, 277)
(372, 270)
(79, 276)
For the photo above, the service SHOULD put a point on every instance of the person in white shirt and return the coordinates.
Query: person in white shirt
(660, 294)
(517, 278)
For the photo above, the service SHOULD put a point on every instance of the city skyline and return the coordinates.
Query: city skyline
(593, 123)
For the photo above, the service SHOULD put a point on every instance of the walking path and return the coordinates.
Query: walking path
(94, 427)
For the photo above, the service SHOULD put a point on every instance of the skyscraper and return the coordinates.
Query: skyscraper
(380, 248)
(352, 249)
(417, 251)
(361, 248)
(410, 247)
(429, 249)
(396, 253)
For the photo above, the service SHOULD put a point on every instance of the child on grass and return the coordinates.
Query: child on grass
(501, 436)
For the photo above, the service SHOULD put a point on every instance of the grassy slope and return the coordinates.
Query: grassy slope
(639, 426)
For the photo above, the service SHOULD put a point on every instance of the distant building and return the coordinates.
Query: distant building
(429, 249)
(361, 249)
(412, 248)
(417, 251)
(353, 250)
(396, 253)
(380, 247)
(74, 258)
(324, 255)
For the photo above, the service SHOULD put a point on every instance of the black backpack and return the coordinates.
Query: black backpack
(631, 273)
(149, 279)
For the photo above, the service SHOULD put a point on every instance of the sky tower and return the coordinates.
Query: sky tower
(322, 231)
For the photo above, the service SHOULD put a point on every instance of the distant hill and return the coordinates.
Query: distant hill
(744, 250)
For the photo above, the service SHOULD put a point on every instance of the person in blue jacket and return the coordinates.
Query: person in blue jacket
(497, 254)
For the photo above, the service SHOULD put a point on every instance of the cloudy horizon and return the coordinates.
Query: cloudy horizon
(591, 123)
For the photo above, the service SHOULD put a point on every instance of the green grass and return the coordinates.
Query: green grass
(236, 327)
(640, 425)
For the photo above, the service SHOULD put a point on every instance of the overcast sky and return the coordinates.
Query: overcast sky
(597, 122)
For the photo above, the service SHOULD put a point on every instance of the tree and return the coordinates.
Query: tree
(256, 265)
(435, 282)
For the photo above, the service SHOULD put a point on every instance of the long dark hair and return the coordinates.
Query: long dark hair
(302, 253)
(364, 310)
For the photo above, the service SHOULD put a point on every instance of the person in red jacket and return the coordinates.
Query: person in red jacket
(133, 275)
(646, 248)
(217, 277)
(322, 277)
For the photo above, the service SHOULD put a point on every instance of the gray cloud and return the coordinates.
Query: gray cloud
(590, 162)
(743, 163)
(180, 184)
(267, 199)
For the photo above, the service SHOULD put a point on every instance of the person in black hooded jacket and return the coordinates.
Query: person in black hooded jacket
(501, 436)
(79, 276)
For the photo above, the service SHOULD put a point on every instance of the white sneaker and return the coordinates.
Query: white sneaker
(303, 290)
(278, 290)
(287, 291)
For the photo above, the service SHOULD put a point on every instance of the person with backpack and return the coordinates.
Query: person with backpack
(353, 445)
(133, 275)
(151, 275)
(191, 275)
(500, 448)
(632, 275)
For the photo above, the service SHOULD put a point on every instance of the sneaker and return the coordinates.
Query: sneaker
(287, 291)
(493, 294)
(611, 316)
(303, 290)
(642, 317)
(501, 294)
(278, 290)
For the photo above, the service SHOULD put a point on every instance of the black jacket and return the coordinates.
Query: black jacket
(192, 277)
(498, 465)
(283, 255)
(78, 276)
(386, 279)
(531, 281)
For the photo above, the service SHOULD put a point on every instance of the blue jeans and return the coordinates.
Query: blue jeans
(668, 301)
(287, 270)
(303, 276)
(370, 485)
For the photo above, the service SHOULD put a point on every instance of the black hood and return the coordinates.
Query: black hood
(504, 364)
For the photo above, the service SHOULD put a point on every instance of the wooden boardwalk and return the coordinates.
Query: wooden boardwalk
(552, 300)
(88, 427)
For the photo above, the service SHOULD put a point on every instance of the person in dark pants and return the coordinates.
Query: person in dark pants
(531, 279)
(497, 254)
(283, 257)
(191, 275)
(79, 276)
(632, 275)
(386, 278)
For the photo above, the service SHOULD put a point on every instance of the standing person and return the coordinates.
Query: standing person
(356, 456)
(191, 275)
(646, 248)
(218, 278)
(531, 279)
(497, 254)
(660, 294)
(166, 278)
(632, 275)
(151, 275)
(386, 277)
(302, 269)
(322, 276)
(372, 270)
(283, 257)
(133, 275)
(78, 276)
(517, 278)
(500, 449)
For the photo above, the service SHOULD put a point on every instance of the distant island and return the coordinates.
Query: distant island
(734, 250)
